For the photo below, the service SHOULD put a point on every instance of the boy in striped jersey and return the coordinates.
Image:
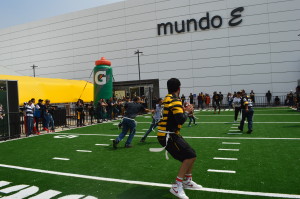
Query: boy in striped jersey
(174, 116)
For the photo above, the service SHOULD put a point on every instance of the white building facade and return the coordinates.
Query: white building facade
(208, 50)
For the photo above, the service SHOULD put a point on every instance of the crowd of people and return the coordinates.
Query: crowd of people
(218, 100)
(38, 117)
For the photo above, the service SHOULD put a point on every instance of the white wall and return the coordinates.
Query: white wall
(260, 54)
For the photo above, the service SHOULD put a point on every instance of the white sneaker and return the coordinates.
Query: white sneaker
(177, 190)
(189, 184)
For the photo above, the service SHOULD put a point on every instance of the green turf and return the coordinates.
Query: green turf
(263, 165)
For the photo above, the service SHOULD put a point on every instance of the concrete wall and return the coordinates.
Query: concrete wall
(262, 53)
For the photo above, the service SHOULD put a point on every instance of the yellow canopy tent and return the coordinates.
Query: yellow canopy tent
(56, 90)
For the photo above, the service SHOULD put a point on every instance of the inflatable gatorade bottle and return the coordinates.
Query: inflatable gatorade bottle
(103, 80)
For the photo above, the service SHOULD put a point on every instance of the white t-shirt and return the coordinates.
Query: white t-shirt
(236, 102)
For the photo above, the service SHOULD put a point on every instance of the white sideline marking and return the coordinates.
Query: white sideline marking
(234, 130)
(234, 133)
(60, 158)
(278, 195)
(235, 124)
(84, 151)
(187, 137)
(102, 144)
(111, 139)
(220, 171)
(234, 127)
(216, 158)
(230, 143)
(228, 149)
(115, 124)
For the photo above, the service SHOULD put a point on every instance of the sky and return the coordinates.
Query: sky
(15, 12)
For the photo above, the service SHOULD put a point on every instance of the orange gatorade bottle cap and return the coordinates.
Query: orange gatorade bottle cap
(103, 61)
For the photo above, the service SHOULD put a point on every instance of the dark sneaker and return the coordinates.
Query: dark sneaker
(115, 143)
(240, 128)
(249, 131)
(128, 146)
(142, 140)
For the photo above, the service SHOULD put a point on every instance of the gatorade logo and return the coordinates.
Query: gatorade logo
(100, 78)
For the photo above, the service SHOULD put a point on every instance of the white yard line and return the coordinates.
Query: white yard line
(278, 195)
(84, 151)
(187, 137)
(221, 171)
(234, 133)
(102, 144)
(231, 143)
(234, 127)
(234, 130)
(229, 149)
(216, 158)
(60, 158)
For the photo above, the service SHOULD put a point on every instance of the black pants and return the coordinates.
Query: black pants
(237, 110)
(249, 115)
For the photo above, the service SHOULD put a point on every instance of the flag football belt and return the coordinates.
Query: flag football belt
(161, 149)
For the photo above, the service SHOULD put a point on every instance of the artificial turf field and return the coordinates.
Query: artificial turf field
(267, 162)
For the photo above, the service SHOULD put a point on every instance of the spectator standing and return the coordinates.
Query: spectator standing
(277, 101)
(79, 113)
(229, 100)
(191, 97)
(28, 112)
(207, 100)
(269, 96)
(49, 115)
(115, 108)
(91, 111)
(252, 96)
(38, 115)
(109, 108)
(221, 98)
(99, 111)
(200, 99)
(182, 98)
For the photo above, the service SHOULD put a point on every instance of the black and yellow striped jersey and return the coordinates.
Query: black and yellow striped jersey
(173, 115)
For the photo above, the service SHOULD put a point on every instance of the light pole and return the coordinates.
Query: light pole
(138, 52)
(33, 68)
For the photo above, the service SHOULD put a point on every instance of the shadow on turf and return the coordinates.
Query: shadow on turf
(146, 193)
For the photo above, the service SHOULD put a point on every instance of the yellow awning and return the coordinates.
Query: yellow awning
(56, 90)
